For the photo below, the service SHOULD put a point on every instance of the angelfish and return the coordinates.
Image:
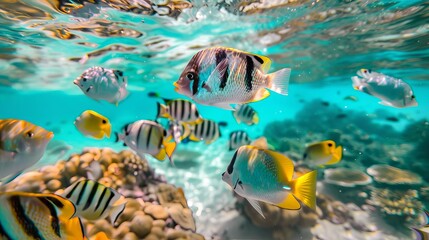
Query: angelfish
(222, 76)
(391, 91)
(267, 176)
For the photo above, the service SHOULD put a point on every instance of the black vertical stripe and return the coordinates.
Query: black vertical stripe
(224, 79)
(73, 189)
(220, 55)
(160, 142)
(101, 198)
(258, 59)
(3, 233)
(249, 70)
(91, 195)
(190, 111)
(246, 112)
(202, 128)
(55, 201)
(24, 221)
(182, 114)
(250, 113)
(195, 84)
(197, 114)
(230, 168)
(175, 104)
(55, 222)
(240, 111)
(138, 135)
(149, 135)
(107, 202)
(82, 191)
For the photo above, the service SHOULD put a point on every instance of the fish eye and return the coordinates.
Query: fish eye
(412, 96)
(223, 174)
(30, 134)
(84, 79)
(190, 76)
(104, 121)
(329, 144)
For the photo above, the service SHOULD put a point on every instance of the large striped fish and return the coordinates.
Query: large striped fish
(22, 144)
(38, 216)
(238, 139)
(94, 200)
(246, 114)
(148, 137)
(222, 76)
(207, 131)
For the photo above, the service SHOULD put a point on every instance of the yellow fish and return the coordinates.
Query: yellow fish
(38, 216)
(323, 153)
(93, 124)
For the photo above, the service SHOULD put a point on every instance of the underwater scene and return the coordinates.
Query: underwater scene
(223, 119)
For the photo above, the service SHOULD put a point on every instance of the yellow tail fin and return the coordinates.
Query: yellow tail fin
(162, 111)
(290, 202)
(336, 156)
(160, 156)
(73, 229)
(186, 131)
(100, 236)
(304, 188)
(169, 149)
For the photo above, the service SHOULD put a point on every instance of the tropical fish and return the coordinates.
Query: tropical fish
(103, 84)
(149, 137)
(422, 232)
(246, 114)
(238, 139)
(222, 76)
(95, 201)
(93, 124)
(264, 175)
(391, 91)
(323, 153)
(22, 144)
(207, 131)
(178, 110)
(262, 143)
(38, 216)
(179, 130)
(351, 98)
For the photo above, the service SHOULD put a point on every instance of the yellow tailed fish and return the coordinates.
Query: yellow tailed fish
(38, 216)
(222, 76)
(267, 176)
(207, 131)
(246, 114)
(323, 153)
(238, 139)
(93, 124)
(179, 130)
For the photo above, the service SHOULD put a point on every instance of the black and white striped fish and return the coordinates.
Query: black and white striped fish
(38, 216)
(238, 139)
(222, 76)
(94, 201)
(207, 131)
(148, 137)
(246, 114)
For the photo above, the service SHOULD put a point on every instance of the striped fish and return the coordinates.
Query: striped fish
(179, 130)
(207, 131)
(94, 200)
(238, 139)
(246, 114)
(222, 76)
(148, 137)
(38, 216)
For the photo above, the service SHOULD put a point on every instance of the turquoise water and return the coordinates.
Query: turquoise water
(42, 50)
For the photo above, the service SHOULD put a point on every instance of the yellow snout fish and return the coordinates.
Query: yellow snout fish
(93, 124)
(323, 153)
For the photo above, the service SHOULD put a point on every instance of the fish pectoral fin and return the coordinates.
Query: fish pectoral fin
(260, 95)
(73, 229)
(192, 137)
(161, 155)
(99, 135)
(290, 203)
(217, 75)
(225, 106)
(169, 150)
(115, 212)
(256, 206)
(304, 188)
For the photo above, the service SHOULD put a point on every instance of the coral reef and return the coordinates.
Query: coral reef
(392, 175)
(154, 209)
(346, 177)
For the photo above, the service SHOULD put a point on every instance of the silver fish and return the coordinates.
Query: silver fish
(246, 114)
(222, 76)
(391, 91)
(207, 131)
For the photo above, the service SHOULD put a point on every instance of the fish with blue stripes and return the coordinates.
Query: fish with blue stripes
(148, 137)
(38, 216)
(222, 76)
(244, 113)
(238, 139)
(95, 201)
(207, 131)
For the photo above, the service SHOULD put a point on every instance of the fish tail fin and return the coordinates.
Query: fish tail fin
(160, 156)
(304, 188)
(255, 119)
(74, 229)
(279, 81)
(115, 212)
(186, 131)
(169, 150)
(162, 111)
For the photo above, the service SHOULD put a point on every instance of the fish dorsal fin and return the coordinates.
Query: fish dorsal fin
(260, 61)
(290, 202)
(256, 206)
(284, 166)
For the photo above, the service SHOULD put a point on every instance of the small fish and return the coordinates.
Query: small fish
(93, 124)
(264, 175)
(246, 114)
(103, 84)
(422, 232)
(341, 115)
(323, 153)
(351, 98)
(179, 130)
(94, 200)
(22, 144)
(178, 110)
(238, 139)
(392, 119)
(207, 131)
(149, 137)
(38, 216)
(222, 76)
(325, 103)
(391, 91)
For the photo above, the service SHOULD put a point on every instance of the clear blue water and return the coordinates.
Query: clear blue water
(43, 50)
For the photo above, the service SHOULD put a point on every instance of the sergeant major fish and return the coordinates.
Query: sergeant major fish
(93, 124)
(264, 175)
(149, 137)
(38, 216)
(246, 114)
(22, 144)
(222, 76)
(94, 200)
(323, 153)
(391, 91)
(103, 84)
(207, 131)
(238, 139)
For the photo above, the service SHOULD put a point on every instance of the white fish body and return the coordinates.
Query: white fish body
(391, 91)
